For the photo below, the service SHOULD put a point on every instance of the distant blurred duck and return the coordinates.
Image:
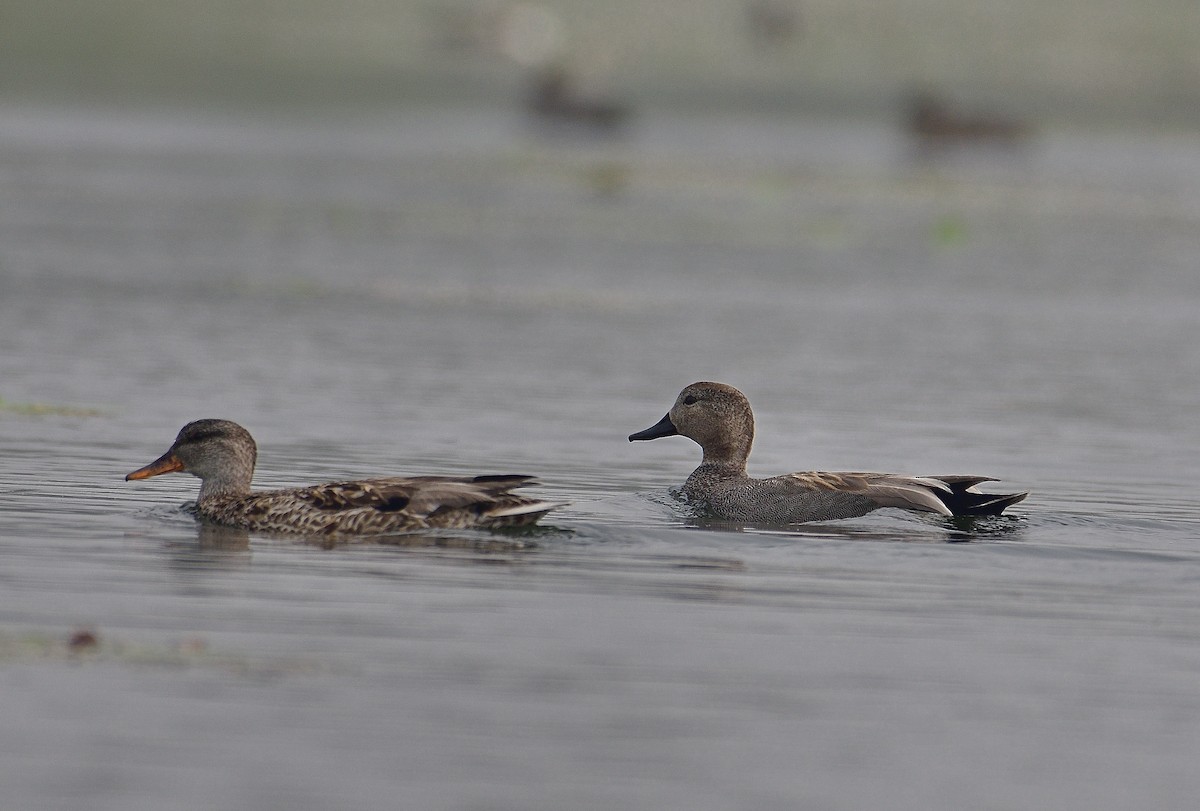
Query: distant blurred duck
(719, 419)
(556, 97)
(932, 122)
(222, 455)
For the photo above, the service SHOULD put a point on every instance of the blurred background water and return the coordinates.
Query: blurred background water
(488, 237)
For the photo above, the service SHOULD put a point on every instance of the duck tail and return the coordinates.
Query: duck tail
(963, 498)
(519, 514)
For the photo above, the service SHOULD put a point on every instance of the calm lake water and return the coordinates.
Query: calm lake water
(451, 291)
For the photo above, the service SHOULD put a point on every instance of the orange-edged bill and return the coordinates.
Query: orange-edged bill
(167, 463)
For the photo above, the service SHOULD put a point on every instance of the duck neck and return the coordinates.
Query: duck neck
(223, 487)
(710, 474)
(728, 456)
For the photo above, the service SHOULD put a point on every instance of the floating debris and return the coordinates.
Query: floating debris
(83, 639)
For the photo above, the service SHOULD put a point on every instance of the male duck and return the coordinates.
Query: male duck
(222, 455)
(719, 419)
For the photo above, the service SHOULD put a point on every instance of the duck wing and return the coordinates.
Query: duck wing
(426, 501)
(819, 496)
(418, 495)
(880, 489)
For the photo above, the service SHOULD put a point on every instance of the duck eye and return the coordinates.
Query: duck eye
(689, 400)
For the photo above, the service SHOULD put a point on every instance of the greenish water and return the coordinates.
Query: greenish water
(1063, 62)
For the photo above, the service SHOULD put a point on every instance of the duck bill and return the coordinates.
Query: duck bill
(663, 427)
(167, 463)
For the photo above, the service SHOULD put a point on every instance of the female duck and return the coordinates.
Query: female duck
(719, 419)
(222, 455)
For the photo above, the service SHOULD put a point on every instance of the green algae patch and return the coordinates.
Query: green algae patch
(89, 646)
(46, 410)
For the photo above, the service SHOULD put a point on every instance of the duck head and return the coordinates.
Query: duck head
(715, 416)
(220, 453)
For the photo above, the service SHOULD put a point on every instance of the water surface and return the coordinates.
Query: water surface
(453, 292)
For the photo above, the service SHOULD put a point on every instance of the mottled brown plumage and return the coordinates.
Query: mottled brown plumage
(718, 418)
(222, 454)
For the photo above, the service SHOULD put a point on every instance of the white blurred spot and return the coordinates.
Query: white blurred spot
(531, 34)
